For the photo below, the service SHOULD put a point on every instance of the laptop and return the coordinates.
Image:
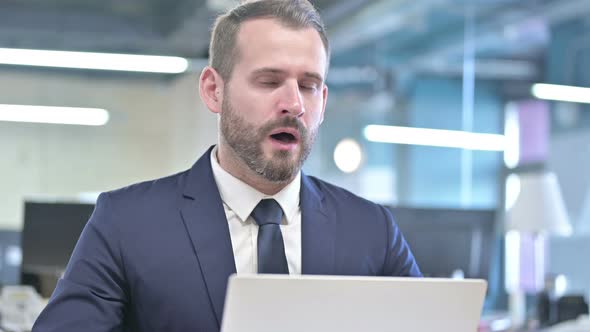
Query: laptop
(303, 303)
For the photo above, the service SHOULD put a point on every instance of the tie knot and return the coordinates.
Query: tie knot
(268, 211)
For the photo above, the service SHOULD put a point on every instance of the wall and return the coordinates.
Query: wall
(434, 174)
(569, 158)
(157, 127)
(568, 62)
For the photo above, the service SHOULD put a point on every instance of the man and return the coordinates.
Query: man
(156, 256)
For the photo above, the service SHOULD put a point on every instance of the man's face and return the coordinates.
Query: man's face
(274, 103)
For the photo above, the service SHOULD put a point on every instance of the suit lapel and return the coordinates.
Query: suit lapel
(318, 231)
(204, 218)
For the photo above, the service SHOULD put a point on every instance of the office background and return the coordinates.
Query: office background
(457, 65)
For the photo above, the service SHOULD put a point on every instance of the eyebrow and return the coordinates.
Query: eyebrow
(275, 71)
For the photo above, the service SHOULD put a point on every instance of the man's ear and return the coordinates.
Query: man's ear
(211, 89)
(325, 97)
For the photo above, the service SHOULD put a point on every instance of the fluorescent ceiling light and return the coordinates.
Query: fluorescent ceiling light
(51, 114)
(567, 93)
(96, 61)
(435, 137)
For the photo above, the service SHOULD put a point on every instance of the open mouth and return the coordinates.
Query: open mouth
(284, 137)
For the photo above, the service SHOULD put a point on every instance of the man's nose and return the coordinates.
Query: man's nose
(291, 100)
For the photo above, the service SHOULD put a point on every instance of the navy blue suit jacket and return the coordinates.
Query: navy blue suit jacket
(156, 256)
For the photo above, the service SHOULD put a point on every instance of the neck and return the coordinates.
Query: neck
(236, 167)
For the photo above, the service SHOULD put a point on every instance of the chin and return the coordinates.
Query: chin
(291, 155)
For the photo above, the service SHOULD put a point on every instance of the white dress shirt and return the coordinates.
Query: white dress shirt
(239, 200)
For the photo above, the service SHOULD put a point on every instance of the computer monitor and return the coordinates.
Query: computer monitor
(447, 242)
(50, 232)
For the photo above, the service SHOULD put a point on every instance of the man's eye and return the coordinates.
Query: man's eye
(308, 86)
(269, 83)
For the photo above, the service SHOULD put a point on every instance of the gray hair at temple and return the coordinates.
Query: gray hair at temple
(296, 14)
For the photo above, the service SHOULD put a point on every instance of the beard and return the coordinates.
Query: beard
(246, 141)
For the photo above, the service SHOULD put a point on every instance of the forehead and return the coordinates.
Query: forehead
(268, 43)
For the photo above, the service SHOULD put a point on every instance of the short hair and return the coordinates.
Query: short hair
(296, 14)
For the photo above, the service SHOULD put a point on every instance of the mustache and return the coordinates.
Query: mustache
(286, 122)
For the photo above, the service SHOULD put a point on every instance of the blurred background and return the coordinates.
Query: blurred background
(468, 118)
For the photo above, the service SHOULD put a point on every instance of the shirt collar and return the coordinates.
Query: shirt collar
(241, 198)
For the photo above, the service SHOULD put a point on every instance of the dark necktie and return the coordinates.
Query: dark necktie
(271, 250)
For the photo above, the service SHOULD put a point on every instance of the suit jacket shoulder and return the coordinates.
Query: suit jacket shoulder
(366, 239)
